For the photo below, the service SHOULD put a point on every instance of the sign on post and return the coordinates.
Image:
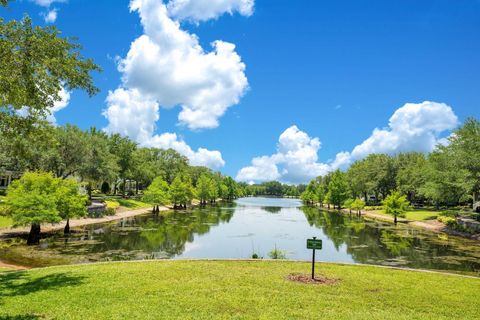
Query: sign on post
(314, 244)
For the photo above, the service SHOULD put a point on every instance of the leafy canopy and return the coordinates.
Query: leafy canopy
(39, 197)
(396, 204)
(157, 193)
(36, 64)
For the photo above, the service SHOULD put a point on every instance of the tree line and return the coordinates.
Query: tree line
(273, 188)
(55, 161)
(448, 176)
(109, 163)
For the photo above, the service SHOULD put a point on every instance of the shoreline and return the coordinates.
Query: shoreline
(74, 223)
(433, 225)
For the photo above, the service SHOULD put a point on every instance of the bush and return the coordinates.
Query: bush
(449, 213)
(110, 211)
(277, 254)
(372, 208)
(112, 204)
(448, 221)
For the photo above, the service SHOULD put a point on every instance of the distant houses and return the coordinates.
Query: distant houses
(6, 178)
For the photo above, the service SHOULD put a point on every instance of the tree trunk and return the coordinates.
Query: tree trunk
(124, 187)
(66, 230)
(34, 235)
(89, 191)
(395, 219)
(136, 187)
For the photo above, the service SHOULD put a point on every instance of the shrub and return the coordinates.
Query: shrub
(449, 213)
(449, 221)
(277, 254)
(114, 205)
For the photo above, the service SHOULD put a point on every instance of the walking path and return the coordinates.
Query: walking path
(121, 214)
(431, 225)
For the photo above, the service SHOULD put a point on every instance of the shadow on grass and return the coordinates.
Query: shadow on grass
(21, 317)
(20, 283)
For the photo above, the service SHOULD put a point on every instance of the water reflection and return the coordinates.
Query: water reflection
(239, 229)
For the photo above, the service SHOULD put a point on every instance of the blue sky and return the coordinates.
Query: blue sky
(335, 70)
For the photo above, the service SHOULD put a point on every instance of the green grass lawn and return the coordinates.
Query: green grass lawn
(419, 215)
(133, 204)
(233, 290)
(415, 215)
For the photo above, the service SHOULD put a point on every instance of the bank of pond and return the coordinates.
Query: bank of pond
(250, 227)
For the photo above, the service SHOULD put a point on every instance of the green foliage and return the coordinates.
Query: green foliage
(337, 188)
(445, 181)
(396, 204)
(70, 203)
(206, 188)
(157, 193)
(33, 200)
(348, 203)
(181, 191)
(112, 204)
(36, 64)
(410, 173)
(39, 197)
(358, 204)
(277, 254)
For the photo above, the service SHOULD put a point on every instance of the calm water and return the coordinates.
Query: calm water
(251, 225)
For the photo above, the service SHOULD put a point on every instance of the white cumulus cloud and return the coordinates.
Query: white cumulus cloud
(50, 16)
(169, 65)
(202, 10)
(134, 115)
(412, 127)
(296, 160)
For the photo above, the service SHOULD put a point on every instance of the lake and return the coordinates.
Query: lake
(248, 226)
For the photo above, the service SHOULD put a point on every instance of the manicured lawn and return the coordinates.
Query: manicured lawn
(233, 290)
(419, 215)
(133, 204)
(415, 215)
(5, 222)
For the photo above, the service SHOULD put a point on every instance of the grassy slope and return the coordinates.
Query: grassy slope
(233, 290)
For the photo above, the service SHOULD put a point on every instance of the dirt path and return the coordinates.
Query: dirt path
(431, 225)
(11, 232)
(5, 266)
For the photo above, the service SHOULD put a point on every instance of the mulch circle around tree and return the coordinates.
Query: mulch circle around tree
(307, 279)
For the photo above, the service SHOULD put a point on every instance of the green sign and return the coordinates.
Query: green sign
(314, 244)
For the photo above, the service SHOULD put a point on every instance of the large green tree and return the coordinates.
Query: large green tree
(157, 193)
(39, 197)
(338, 189)
(70, 202)
(36, 63)
(123, 148)
(465, 146)
(396, 205)
(410, 178)
(181, 191)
